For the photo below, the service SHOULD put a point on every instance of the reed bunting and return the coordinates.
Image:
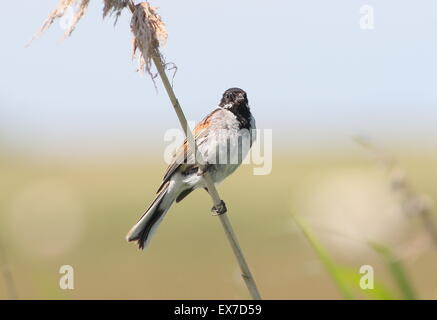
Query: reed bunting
(223, 138)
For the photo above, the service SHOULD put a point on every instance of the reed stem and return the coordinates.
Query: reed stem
(7, 275)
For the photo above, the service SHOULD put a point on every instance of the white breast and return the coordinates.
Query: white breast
(226, 145)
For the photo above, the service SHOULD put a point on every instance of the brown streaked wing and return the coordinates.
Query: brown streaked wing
(184, 152)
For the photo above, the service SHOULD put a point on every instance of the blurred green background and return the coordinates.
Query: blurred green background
(81, 145)
(59, 213)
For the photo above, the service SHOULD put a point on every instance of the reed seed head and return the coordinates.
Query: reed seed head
(114, 7)
(62, 7)
(149, 34)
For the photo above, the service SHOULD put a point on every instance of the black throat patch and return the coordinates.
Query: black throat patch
(242, 112)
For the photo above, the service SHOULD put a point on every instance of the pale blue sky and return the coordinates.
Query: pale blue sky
(310, 72)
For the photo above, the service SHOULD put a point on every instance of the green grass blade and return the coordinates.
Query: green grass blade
(323, 255)
(379, 292)
(397, 271)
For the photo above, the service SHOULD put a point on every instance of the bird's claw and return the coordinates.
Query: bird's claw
(219, 209)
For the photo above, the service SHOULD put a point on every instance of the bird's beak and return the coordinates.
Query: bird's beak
(240, 98)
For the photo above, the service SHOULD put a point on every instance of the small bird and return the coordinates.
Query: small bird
(223, 138)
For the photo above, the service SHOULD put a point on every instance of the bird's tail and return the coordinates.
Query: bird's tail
(143, 230)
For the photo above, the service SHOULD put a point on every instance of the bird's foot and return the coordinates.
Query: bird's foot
(219, 209)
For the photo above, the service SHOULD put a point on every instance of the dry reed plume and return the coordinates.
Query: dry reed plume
(114, 7)
(149, 34)
(59, 12)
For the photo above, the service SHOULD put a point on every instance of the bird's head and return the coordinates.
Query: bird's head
(234, 97)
